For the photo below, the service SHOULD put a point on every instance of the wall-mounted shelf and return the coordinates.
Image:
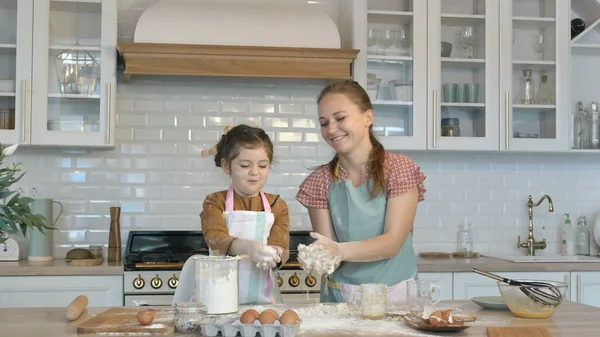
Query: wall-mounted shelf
(526, 22)
(462, 19)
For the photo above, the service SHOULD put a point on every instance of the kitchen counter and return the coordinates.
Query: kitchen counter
(57, 267)
(425, 265)
(571, 319)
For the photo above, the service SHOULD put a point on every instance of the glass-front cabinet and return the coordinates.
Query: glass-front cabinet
(15, 69)
(391, 67)
(463, 74)
(74, 68)
(534, 75)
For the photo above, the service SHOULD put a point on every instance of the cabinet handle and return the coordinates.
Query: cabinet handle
(24, 111)
(435, 121)
(507, 118)
(108, 112)
(578, 289)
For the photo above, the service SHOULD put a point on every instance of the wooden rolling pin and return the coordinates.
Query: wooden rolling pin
(76, 307)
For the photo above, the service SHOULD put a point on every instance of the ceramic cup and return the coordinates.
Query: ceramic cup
(420, 293)
(373, 300)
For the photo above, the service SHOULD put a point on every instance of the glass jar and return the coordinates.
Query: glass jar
(465, 240)
(188, 316)
(450, 127)
(96, 251)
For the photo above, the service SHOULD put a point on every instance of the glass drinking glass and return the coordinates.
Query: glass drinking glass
(466, 38)
(387, 39)
(372, 35)
(403, 41)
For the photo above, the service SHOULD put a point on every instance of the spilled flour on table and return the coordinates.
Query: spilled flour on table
(343, 319)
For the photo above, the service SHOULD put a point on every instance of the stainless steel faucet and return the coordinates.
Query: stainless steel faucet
(531, 244)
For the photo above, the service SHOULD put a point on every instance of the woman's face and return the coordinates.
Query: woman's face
(248, 171)
(343, 125)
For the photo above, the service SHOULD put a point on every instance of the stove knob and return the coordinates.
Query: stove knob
(156, 282)
(279, 280)
(310, 280)
(294, 281)
(139, 283)
(173, 282)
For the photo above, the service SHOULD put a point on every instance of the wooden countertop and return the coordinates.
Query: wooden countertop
(59, 267)
(570, 319)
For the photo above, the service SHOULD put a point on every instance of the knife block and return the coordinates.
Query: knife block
(114, 235)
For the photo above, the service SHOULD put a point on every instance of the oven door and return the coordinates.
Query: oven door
(148, 300)
(301, 298)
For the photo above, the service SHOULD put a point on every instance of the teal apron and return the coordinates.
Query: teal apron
(356, 218)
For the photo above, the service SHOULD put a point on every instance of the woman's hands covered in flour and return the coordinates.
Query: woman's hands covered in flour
(321, 257)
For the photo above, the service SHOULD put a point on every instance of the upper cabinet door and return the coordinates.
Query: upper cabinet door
(534, 75)
(392, 67)
(15, 70)
(74, 69)
(463, 75)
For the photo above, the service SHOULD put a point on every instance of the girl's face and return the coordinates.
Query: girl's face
(248, 171)
(343, 125)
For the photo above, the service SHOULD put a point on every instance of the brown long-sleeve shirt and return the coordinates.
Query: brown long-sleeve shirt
(215, 229)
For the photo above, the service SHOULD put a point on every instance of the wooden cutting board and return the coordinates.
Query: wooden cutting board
(124, 320)
(517, 332)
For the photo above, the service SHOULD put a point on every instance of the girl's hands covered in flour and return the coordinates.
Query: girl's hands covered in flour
(266, 257)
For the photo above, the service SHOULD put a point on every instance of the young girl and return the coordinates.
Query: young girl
(245, 221)
(361, 204)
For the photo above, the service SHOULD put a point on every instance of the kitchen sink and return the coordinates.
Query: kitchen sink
(545, 258)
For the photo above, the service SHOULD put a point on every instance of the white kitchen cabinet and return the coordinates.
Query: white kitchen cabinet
(59, 291)
(585, 287)
(34, 110)
(15, 68)
(536, 122)
(469, 285)
(444, 280)
(74, 73)
(477, 86)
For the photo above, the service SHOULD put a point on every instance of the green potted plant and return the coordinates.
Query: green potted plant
(15, 213)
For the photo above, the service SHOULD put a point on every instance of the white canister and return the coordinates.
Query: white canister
(217, 283)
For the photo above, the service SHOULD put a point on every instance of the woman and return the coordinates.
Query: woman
(361, 204)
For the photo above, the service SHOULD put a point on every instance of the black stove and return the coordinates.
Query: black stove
(166, 250)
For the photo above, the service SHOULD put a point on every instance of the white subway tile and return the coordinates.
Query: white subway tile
(127, 148)
(124, 134)
(117, 192)
(438, 208)
(125, 120)
(490, 208)
(206, 107)
(148, 105)
(289, 136)
(310, 137)
(87, 192)
(178, 106)
(448, 194)
(179, 193)
(58, 162)
(89, 162)
(176, 134)
(275, 122)
(516, 181)
(84, 221)
(304, 123)
(73, 177)
(130, 206)
(477, 194)
(501, 195)
(218, 121)
(162, 148)
(266, 108)
(291, 108)
(159, 120)
(251, 121)
(147, 192)
(133, 178)
(148, 163)
(235, 107)
(179, 163)
(190, 178)
(118, 163)
(104, 177)
(160, 178)
(148, 134)
(146, 222)
(303, 151)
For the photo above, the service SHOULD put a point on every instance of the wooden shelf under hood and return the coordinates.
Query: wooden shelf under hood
(244, 61)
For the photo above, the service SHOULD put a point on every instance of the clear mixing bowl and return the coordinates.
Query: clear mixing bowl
(521, 299)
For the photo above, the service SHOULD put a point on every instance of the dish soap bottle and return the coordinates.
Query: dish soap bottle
(582, 237)
(564, 236)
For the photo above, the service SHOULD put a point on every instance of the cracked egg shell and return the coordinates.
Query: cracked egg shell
(268, 316)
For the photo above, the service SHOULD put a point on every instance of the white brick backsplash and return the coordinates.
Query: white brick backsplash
(157, 176)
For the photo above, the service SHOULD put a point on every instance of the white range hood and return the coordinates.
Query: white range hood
(259, 38)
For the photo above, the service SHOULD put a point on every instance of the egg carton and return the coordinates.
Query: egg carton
(233, 327)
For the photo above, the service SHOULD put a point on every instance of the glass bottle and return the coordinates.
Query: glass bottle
(578, 123)
(582, 237)
(593, 128)
(465, 240)
(543, 95)
(528, 90)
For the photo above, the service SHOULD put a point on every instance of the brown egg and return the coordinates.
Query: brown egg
(447, 316)
(268, 316)
(289, 317)
(249, 316)
(436, 318)
(146, 317)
